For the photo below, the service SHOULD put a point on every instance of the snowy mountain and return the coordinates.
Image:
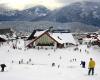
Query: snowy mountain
(24, 15)
(7, 14)
(34, 13)
(84, 12)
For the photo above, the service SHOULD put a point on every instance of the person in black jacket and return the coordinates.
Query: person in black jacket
(2, 67)
(83, 64)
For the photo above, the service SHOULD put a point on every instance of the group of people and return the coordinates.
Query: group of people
(91, 66)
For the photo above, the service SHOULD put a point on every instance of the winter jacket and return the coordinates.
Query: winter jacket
(91, 64)
(3, 65)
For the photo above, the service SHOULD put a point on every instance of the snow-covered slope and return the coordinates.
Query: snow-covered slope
(41, 60)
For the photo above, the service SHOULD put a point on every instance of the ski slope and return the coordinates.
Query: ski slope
(40, 66)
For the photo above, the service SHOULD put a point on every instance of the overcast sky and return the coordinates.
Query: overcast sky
(51, 4)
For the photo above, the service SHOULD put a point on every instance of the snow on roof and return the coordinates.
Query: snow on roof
(63, 37)
(89, 39)
(59, 37)
(99, 37)
(38, 33)
(3, 36)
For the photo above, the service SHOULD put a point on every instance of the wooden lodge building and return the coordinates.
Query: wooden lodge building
(49, 39)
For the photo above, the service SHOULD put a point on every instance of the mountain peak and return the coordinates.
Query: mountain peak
(86, 12)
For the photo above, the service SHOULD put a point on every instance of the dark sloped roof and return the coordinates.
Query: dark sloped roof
(2, 40)
(32, 35)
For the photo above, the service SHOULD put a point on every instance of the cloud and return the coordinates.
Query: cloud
(3, 6)
(23, 4)
(71, 1)
(67, 1)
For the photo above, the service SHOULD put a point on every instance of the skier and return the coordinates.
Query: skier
(14, 47)
(59, 66)
(83, 64)
(21, 61)
(80, 50)
(75, 59)
(53, 64)
(60, 57)
(30, 60)
(2, 67)
(91, 66)
(49, 54)
(12, 61)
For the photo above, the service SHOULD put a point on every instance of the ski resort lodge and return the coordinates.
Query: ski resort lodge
(48, 39)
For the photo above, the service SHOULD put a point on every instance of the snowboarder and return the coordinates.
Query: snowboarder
(91, 66)
(2, 67)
